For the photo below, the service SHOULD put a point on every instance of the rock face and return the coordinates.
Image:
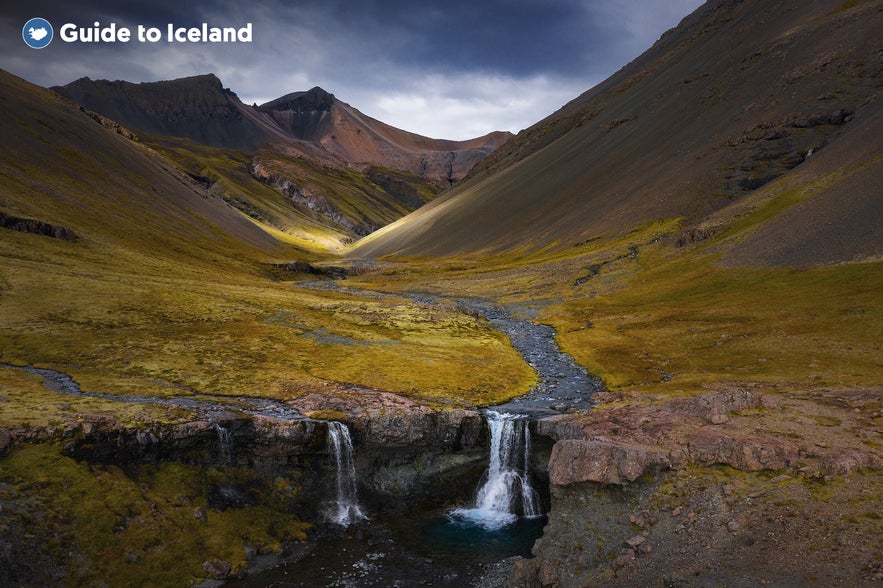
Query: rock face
(404, 448)
(5, 441)
(325, 128)
(636, 494)
(603, 462)
(36, 227)
(401, 448)
(196, 107)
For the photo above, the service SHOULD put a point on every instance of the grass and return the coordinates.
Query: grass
(341, 199)
(117, 332)
(701, 323)
(167, 294)
(639, 312)
(25, 402)
(141, 530)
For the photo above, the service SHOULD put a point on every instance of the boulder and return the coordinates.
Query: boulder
(604, 462)
(6, 440)
(751, 453)
(217, 570)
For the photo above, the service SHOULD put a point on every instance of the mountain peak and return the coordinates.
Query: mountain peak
(313, 99)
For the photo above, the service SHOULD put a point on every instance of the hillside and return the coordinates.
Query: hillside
(157, 297)
(142, 204)
(315, 122)
(702, 231)
(739, 95)
(350, 136)
(674, 280)
(327, 161)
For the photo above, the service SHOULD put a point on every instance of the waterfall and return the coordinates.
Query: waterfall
(346, 509)
(506, 491)
(225, 444)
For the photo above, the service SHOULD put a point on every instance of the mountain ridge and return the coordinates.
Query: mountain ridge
(720, 107)
(201, 109)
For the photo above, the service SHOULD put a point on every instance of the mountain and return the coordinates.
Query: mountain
(315, 122)
(323, 158)
(198, 108)
(348, 135)
(740, 101)
(88, 176)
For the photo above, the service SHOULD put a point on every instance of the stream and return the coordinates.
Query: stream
(562, 386)
(445, 545)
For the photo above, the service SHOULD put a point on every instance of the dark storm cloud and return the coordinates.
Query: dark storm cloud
(452, 69)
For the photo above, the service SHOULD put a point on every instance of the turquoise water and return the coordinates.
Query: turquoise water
(419, 549)
(463, 537)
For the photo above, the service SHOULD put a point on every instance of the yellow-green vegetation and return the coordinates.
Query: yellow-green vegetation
(638, 311)
(700, 323)
(324, 203)
(166, 292)
(26, 402)
(228, 334)
(227, 172)
(328, 415)
(150, 527)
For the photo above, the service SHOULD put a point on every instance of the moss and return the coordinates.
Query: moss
(327, 415)
(144, 530)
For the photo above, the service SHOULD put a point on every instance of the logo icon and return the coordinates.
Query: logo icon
(37, 33)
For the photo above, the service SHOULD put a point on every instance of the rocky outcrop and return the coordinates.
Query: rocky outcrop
(407, 448)
(636, 493)
(748, 453)
(37, 227)
(619, 445)
(603, 462)
(6, 440)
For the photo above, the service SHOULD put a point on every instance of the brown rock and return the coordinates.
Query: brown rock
(714, 407)
(627, 555)
(845, 462)
(604, 462)
(548, 574)
(217, 570)
(5, 441)
(748, 453)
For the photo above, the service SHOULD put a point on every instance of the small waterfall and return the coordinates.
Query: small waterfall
(346, 509)
(225, 444)
(506, 492)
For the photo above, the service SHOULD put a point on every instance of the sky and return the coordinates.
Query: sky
(455, 69)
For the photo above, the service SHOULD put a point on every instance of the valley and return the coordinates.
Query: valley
(277, 344)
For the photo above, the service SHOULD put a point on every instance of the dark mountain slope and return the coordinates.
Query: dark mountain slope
(325, 159)
(348, 135)
(198, 108)
(62, 166)
(733, 98)
(315, 122)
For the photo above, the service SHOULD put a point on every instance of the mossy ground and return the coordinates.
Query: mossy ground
(219, 331)
(638, 311)
(151, 527)
(164, 295)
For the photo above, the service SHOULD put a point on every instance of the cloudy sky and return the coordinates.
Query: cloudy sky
(453, 69)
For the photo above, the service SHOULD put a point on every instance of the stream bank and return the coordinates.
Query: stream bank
(411, 462)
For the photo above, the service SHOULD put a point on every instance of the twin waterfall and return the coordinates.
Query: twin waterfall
(506, 491)
(346, 509)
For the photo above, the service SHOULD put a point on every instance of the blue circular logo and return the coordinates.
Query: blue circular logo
(37, 33)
